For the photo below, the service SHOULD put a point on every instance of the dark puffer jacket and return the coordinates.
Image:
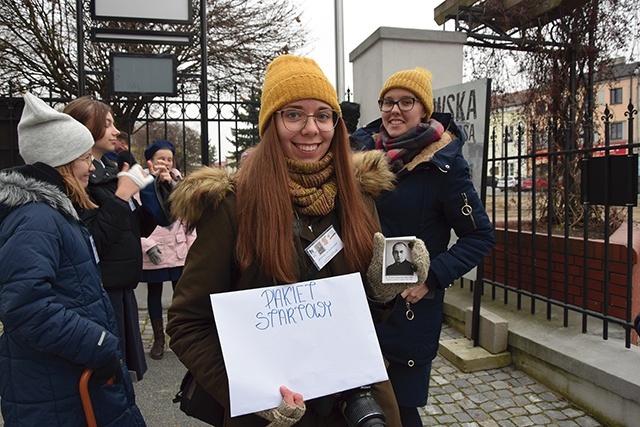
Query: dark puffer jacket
(206, 198)
(117, 228)
(56, 316)
(434, 196)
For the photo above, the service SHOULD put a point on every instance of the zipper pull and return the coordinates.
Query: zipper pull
(466, 208)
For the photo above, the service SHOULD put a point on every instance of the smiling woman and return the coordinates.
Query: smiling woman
(434, 196)
(262, 226)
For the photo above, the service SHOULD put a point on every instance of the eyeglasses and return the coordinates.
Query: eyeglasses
(404, 104)
(295, 120)
(89, 159)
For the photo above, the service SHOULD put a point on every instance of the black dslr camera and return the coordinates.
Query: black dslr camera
(360, 409)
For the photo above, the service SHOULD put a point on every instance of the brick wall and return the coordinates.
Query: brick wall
(576, 274)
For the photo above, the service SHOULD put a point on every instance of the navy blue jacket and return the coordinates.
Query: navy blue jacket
(427, 203)
(56, 316)
(433, 196)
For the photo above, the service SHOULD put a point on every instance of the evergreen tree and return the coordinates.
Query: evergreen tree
(247, 135)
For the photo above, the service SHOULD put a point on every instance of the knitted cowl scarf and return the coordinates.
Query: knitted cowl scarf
(313, 186)
(403, 149)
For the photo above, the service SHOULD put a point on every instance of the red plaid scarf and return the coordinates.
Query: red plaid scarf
(405, 147)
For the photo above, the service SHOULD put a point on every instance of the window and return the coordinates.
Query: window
(616, 95)
(617, 129)
(508, 133)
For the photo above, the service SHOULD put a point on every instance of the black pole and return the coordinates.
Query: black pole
(204, 105)
(80, 43)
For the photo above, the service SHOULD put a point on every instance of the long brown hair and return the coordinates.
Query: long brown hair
(75, 189)
(90, 112)
(265, 210)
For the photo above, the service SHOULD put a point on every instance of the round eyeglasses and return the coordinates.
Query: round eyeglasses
(404, 104)
(88, 159)
(295, 120)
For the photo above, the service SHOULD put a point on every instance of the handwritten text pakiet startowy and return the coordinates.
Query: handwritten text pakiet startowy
(288, 305)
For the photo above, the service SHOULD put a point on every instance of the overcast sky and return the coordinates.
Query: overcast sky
(361, 19)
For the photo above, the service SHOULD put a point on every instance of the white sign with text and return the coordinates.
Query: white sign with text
(316, 338)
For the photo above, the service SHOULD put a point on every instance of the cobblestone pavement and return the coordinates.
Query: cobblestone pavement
(504, 397)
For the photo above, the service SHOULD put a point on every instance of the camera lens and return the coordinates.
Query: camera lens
(360, 409)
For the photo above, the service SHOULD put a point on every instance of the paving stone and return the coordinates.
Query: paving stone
(446, 419)
(568, 423)
(522, 421)
(445, 398)
(556, 415)
(451, 408)
(541, 419)
(500, 384)
(521, 390)
(490, 406)
(463, 417)
(587, 422)
(521, 400)
(505, 394)
(500, 415)
(517, 411)
(478, 414)
(573, 413)
(489, 423)
(478, 398)
(506, 403)
(550, 397)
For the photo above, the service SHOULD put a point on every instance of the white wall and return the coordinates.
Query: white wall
(389, 50)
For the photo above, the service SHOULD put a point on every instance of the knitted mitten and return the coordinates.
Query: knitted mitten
(385, 292)
(283, 416)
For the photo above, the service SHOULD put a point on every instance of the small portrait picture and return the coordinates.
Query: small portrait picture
(397, 260)
(320, 248)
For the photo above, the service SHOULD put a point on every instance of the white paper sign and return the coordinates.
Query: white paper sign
(316, 338)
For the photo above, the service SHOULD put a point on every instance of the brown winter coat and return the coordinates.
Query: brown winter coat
(207, 200)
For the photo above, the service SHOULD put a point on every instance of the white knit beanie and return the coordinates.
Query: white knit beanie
(48, 136)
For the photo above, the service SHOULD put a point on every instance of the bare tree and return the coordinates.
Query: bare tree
(38, 46)
(556, 57)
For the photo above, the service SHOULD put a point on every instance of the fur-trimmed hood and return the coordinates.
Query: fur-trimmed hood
(207, 185)
(17, 190)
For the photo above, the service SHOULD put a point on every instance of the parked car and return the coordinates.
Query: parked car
(511, 182)
(527, 184)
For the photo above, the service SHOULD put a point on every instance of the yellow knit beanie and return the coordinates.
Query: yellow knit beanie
(416, 81)
(291, 78)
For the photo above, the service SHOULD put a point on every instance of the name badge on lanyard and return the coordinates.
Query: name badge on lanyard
(324, 248)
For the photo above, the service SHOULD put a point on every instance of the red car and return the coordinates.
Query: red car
(527, 184)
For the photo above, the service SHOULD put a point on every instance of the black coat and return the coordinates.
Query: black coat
(117, 227)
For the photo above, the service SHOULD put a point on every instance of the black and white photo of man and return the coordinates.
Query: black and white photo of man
(401, 266)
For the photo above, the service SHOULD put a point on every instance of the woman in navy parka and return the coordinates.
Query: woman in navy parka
(57, 318)
(434, 195)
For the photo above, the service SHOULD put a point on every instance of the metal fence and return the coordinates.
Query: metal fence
(566, 264)
(565, 236)
(230, 116)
